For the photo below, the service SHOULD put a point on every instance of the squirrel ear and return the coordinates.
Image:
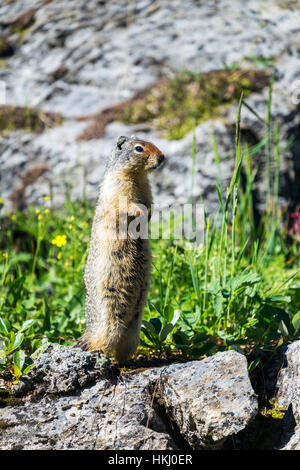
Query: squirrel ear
(121, 141)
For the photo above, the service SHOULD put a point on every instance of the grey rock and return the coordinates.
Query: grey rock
(288, 394)
(209, 400)
(112, 49)
(288, 382)
(72, 402)
(61, 371)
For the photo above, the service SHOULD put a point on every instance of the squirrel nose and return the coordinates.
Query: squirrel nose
(161, 158)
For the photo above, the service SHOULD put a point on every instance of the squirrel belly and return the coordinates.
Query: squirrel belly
(116, 292)
(118, 267)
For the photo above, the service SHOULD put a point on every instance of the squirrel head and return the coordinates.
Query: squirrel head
(136, 155)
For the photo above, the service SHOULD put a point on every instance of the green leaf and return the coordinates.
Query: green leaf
(283, 329)
(150, 336)
(181, 339)
(296, 321)
(157, 325)
(200, 338)
(16, 342)
(244, 279)
(27, 324)
(279, 298)
(2, 356)
(17, 373)
(195, 279)
(46, 316)
(14, 293)
(219, 304)
(207, 347)
(5, 326)
(253, 365)
(166, 331)
(146, 345)
(176, 317)
(19, 359)
(28, 368)
(28, 303)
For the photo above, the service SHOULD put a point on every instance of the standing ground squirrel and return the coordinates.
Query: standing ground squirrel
(117, 272)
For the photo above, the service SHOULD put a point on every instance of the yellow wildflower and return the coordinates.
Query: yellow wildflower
(46, 198)
(70, 226)
(1, 200)
(59, 240)
(46, 211)
(40, 216)
(37, 211)
(84, 224)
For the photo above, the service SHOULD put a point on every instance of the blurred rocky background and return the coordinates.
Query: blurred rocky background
(76, 74)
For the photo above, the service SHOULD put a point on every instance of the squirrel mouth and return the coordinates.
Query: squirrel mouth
(160, 163)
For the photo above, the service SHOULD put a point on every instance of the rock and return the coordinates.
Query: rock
(288, 396)
(71, 402)
(81, 58)
(61, 371)
(209, 400)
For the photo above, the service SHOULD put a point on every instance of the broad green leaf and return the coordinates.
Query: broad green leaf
(5, 326)
(157, 325)
(19, 358)
(17, 341)
(296, 321)
(150, 327)
(17, 373)
(166, 331)
(27, 324)
(176, 317)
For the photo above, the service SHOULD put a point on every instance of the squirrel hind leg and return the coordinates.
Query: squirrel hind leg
(126, 348)
(86, 343)
(82, 343)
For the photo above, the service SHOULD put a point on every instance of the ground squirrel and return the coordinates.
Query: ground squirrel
(117, 272)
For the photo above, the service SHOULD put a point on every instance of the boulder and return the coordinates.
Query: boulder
(75, 400)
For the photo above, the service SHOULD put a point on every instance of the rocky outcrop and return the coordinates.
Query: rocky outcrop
(78, 400)
(288, 396)
(74, 400)
(77, 58)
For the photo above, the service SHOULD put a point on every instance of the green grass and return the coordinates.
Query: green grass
(239, 288)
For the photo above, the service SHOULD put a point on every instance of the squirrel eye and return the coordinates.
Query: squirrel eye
(138, 148)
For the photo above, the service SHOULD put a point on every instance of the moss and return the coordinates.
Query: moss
(174, 106)
(177, 105)
(29, 119)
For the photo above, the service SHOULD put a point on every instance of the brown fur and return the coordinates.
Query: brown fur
(117, 273)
